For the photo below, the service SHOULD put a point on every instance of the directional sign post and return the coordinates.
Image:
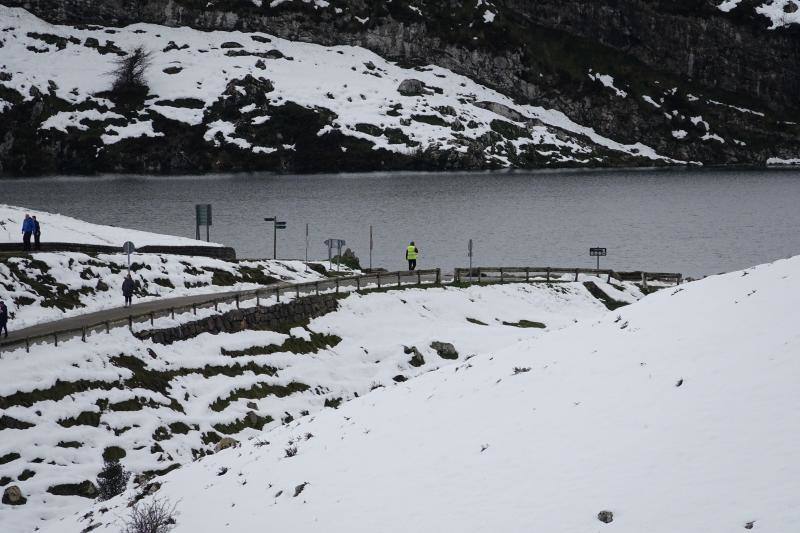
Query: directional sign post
(598, 253)
(202, 215)
(276, 225)
(128, 248)
(331, 244)
(370, 247)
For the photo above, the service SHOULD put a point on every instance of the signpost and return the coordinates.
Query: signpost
(331, 243)
(306, 246)
(598, 253)
(202, 215)
(370, 247)
(276, 225)
(469, 253)
(128, 248)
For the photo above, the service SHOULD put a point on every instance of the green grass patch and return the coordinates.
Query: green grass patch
(258, 391)
(525, 324)
(476, 321)
(296, 345)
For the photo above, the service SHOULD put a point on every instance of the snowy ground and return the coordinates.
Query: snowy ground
(677, 413)
(192, 69)
(60, 228)
(51, 286)
(203, 387)
(780, 12)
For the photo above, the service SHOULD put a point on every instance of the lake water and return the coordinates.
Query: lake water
(694, 222)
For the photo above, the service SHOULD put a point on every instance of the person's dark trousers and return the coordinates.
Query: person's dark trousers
(412, 264)
(4, 326)
(36, 239)
(26, 240)
(128, 300)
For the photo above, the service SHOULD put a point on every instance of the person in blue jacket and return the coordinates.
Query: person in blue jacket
(28, 227)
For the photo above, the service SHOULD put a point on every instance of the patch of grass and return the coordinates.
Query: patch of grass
(296, 345)
(114, 453)
(164, 282)
(525, 324)
(237, 426)
(7, 458)
(258, 391)
(69, 444)
(86, 418)
(476, 321)
(610, 303)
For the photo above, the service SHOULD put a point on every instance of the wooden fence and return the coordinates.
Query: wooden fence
(546, 274)
(337, 284)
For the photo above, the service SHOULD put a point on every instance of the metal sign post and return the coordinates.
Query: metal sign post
(276, 225)
(202, 215)
(598, 253)
(306, 246)
(469, 253)
(370, 246)
(128, 248)
(331, 243)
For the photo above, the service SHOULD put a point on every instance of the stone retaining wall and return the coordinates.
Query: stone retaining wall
(256, 318)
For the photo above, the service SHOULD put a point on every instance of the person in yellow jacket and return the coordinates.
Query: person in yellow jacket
(411, 255)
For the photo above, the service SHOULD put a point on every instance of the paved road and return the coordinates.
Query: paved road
(163, 305)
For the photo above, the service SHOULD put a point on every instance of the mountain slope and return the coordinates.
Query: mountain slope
(674, 414)
(504, 84)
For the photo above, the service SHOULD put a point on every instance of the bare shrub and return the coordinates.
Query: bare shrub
(130, 82)
(153, 516)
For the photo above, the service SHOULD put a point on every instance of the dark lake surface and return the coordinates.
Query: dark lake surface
(694, 222)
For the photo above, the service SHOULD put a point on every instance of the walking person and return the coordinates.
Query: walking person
(3, 318)
(37, 233)
(412, 252)
(127, 290)
(27, 231)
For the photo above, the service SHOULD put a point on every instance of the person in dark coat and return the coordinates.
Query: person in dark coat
(27, 231)
(127, 290)
(37, 233)
(3, 318)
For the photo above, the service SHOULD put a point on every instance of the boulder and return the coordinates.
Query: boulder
(416, 359)
(412, 87)
(445, 350)
(13, 496)
(224, 443)
(605, 516)
(85, 489)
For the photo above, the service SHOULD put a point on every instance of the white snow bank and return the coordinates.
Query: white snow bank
(678, 413)
(60, 228)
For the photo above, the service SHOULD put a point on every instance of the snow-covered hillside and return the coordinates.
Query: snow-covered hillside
(779, 12)
(161, 406)
(60, 228)
(677, 413)
(246, 93)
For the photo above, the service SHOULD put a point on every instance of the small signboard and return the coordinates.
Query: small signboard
(597, 252)
(331, 244)
(128, 248)
(203, 214)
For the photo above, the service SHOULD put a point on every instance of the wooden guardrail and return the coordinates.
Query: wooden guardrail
(338, 284)
(545, 274)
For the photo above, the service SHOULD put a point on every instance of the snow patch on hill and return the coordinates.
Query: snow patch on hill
(677, 413)
(781, 13)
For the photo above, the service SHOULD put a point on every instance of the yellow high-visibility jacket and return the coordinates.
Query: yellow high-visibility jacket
(411, 252)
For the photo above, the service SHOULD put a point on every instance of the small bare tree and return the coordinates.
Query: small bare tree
(129, 74)
(154, 516)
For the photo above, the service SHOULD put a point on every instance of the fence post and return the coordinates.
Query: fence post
(152, 318)
(27, 345)
(130, 322)
(258, 300)
(644, 279)
(358, 283)
(576, 274)
(548, 274)
(398, 279)
(172, 312)
(480, 280)
(438, 276)
(55, 337)
(456, 276)
(608, 280)
(379, 280)
(237, 301)
(297, 291)
(337, 285)
(83, 334)
(316, 287)
(419, 278)
(501, 275)
(527, 274)
(277, 294)
(108, 327)
(194, 308)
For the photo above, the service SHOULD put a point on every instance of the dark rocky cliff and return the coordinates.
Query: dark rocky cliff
(540, 53)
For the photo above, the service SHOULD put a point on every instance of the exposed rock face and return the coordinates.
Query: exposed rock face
(86, 489)
(225, 443)
(13, 496)
(605, 516)
(445, 350)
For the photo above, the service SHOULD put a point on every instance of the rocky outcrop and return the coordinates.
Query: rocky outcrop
(13, 496)
(445, 350)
